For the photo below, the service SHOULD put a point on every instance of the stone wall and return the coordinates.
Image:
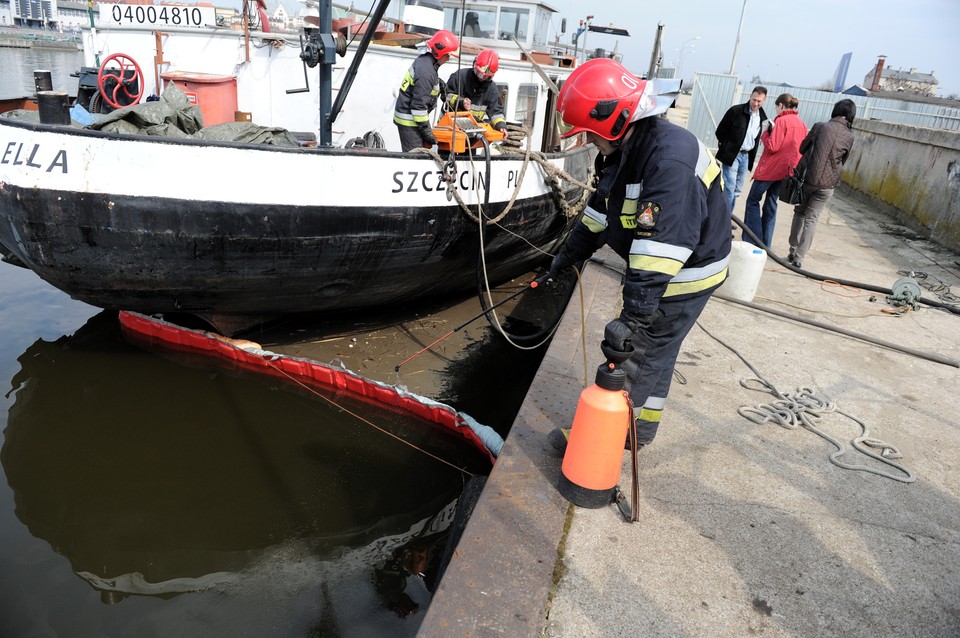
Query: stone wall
(914, 170)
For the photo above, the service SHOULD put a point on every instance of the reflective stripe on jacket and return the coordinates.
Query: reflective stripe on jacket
(484, 96)
(660, 206)
(419, 89)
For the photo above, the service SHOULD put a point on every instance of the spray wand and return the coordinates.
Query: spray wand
(533, 284)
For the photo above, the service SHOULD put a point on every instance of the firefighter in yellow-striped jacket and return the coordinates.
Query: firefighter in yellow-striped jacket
(659, 204)
(419, 90)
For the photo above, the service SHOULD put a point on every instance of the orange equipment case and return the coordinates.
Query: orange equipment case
(216, 95)
(460, 130)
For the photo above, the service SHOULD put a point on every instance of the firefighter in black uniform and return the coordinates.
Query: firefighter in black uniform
(419, 90)
(474, 90)
(659, 204)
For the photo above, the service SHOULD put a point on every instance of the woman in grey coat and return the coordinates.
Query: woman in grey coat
(825, 149)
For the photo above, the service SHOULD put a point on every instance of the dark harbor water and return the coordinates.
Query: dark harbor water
(146, 493)
(151, 494)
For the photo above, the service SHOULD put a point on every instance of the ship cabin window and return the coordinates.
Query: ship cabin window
(514, 23)
(477, 22)
(541, 27)
(527, 104)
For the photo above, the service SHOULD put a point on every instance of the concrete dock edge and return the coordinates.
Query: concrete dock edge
(498, 582)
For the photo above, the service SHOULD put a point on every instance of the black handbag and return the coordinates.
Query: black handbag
(791, 186)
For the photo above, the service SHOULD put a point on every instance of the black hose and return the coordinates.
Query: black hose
(521, 339)
(849, 333)
(856, 335)
(846, 282)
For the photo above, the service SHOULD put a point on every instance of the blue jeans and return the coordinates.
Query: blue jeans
(762, 225)
(733, 176)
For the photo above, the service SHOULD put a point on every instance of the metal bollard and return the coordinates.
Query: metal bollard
(54, 107)
(42, 80)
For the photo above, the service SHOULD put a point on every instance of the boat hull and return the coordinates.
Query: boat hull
(151, 225)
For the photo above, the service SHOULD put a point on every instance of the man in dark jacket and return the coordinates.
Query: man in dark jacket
(474, 90)
(659, 204)
(419, 90)
(738, 136)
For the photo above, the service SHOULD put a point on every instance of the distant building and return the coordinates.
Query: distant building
(279, 18)
(886, 78)
(857, 89)
(758, 81)
(74, 15)
(59, 15)
(29, 13)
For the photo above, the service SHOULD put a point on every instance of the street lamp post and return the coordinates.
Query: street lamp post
(736, 47)
(683, 49)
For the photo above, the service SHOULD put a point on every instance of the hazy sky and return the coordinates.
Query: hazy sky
(799, 42)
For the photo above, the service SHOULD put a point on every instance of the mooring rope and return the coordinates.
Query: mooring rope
(805, 408)
(553, 176)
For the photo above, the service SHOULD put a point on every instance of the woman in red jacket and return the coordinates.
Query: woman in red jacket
(781, 153)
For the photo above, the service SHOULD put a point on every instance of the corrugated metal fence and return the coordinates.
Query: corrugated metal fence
(714, 93)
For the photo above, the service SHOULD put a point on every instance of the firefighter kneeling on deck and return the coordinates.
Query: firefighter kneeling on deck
(474, 90)
(659, 204)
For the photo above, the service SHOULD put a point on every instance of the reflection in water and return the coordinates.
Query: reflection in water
(19, 64)
(156, 477)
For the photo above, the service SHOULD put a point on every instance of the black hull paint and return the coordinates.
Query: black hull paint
(173, 255)
(116, 240)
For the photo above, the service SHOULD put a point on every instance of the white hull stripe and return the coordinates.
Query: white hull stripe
(70, 162)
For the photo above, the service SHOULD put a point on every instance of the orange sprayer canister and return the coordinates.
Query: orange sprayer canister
(592, 461)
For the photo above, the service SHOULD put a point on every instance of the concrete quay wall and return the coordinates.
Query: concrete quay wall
(914, 170)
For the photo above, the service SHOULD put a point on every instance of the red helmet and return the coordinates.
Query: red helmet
(600, 97)
(442, 42)
(486, 64)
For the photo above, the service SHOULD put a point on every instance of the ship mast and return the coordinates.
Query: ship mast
(373, 21)
(323, 51)
(328, 54)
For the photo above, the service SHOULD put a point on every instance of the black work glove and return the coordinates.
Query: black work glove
(619, 331)
(636, 322)
(426, 134)
(560, 264)
(618, 334)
